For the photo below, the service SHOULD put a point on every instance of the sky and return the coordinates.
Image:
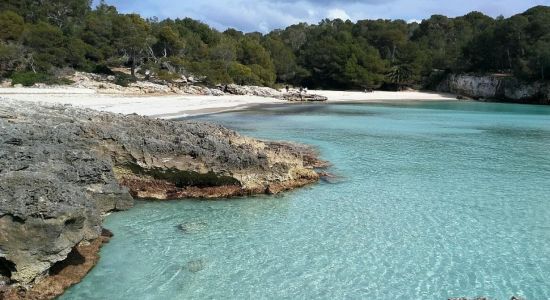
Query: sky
(266, 15)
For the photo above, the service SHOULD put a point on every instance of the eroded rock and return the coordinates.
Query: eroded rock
(496, 88)
(252, 91)
(63, 168)
(303, 97)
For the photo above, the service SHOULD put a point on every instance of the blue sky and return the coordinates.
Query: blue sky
(265, 15)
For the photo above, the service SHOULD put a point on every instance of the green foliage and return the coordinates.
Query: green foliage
(60, 13)
(131, 34)
(48, 44)
(10, 58)
(242, 74)
(102, 69)
(42, 36)
(31, 78)
(12, 26)
(167, 76)
(123, 79)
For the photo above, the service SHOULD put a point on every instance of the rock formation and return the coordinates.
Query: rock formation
(292, 96)
(302, 97)
(234, 89)
(107, 84)
(62, 168)
(497, 88)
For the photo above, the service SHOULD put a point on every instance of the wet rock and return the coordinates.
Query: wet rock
(41, 220)
(330, 178)
(61, 275)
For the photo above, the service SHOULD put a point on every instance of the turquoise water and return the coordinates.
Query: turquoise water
(433, 200)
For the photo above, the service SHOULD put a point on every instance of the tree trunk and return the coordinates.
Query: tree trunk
(133, 67)
(509, 59)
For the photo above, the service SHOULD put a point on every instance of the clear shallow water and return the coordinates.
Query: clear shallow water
(435, 200)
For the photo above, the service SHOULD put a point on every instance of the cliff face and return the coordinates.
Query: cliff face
(62, 168)
(498, 88)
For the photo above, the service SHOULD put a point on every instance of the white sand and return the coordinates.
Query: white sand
(175, 106)
(343, 96)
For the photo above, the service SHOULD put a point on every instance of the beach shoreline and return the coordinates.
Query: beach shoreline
(174, 106)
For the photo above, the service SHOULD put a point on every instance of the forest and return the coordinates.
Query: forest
(42, 39)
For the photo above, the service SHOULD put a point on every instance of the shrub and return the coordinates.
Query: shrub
(28, 78)
(31, 78)
(123, 79)
(167, 76)
(102, 69)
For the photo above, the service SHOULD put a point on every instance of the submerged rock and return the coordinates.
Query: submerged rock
(192, 227)
(195, 266)
(62, 168)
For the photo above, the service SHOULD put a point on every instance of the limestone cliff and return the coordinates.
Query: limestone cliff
(496, 88)
(62, 168)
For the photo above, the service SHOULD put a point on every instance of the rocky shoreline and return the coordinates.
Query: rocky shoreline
(62, 169)
(107, 84)
(496, 88)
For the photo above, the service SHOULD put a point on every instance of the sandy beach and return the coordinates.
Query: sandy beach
(178, 106)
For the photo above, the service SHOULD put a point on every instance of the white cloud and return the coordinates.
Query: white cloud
(266, 15)
(337, 13)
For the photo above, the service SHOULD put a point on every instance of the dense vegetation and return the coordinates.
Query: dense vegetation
(39, 40)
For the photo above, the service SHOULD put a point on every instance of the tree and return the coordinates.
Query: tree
(11, 58)
(48, 45)
(251, 53)
(169, 42)
(540, 58)
(98, 32)
(131, 34)
(12, 26)
(283, 58)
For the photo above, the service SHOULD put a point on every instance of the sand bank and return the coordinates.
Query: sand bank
(177, 106)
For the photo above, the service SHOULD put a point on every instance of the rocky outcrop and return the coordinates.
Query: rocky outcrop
(234, 89)
(496, 88)
(272, 93)
(62, 168)
(107, 84)
(63, 274)
(303, 97)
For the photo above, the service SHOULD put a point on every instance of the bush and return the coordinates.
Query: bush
(102, 69)
(31, 78)
(167, 76)
(123, 79)
(28, 78)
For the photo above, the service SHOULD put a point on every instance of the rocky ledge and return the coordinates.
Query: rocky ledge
(62, 169)
(292, 96)
(302, 97)
(496, 88)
